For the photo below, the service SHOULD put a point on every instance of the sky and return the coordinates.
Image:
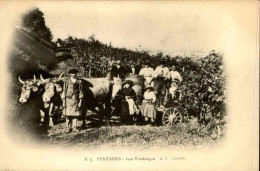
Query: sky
(170, 27)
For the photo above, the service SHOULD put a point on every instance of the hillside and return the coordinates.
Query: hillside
(30, 53)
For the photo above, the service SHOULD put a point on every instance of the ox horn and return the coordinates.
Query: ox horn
(43, 80)
(21, 81)
(60, 76)
(34, 78)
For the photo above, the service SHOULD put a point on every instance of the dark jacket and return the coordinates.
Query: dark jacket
(73, 88)
(118, 72)
(127, 92)
(130, 71)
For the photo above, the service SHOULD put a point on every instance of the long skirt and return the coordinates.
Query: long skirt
(124, 109)
(72, 106)
(149, 110)
(128, 107)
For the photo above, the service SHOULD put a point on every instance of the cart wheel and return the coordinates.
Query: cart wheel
(172, 115)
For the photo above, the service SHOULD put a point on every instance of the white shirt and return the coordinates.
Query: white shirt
(146, 72)
(149, 95)
(175, 75)
(73, 79)
(163, 72)
(133, 70)
(172, 91)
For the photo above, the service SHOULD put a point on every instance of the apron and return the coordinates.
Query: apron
(132, 106)
(73, 91)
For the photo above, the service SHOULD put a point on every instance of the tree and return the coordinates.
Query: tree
(34, 20)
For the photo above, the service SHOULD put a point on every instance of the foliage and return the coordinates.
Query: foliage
(97, 57)
(203, 86)
(204, 92)
(34, 20)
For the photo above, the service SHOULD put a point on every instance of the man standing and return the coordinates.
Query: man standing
(117, 76)
(72, 96)
(175, 75)
(161, 76)
(147, 73)
(133, 69)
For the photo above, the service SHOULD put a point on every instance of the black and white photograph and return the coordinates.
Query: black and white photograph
(145, 85)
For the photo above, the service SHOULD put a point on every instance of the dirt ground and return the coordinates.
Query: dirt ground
(130, 136)
(112, 134)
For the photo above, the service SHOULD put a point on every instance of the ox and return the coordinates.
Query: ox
(43, 99)
(97, 94)
(27, 88)
(51, 98)
(31, 103)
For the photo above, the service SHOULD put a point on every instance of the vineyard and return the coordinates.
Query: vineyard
(203, 87)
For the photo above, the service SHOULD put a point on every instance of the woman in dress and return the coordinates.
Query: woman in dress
(128, 106)
(149, 110)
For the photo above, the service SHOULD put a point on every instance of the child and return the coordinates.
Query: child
(173, 88)
(174, 94)
(149, 110)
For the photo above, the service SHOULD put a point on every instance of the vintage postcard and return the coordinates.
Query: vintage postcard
(129, 85)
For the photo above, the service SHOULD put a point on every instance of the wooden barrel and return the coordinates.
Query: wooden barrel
(138, 83)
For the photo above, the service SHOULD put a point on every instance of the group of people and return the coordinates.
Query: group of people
(157, 84)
